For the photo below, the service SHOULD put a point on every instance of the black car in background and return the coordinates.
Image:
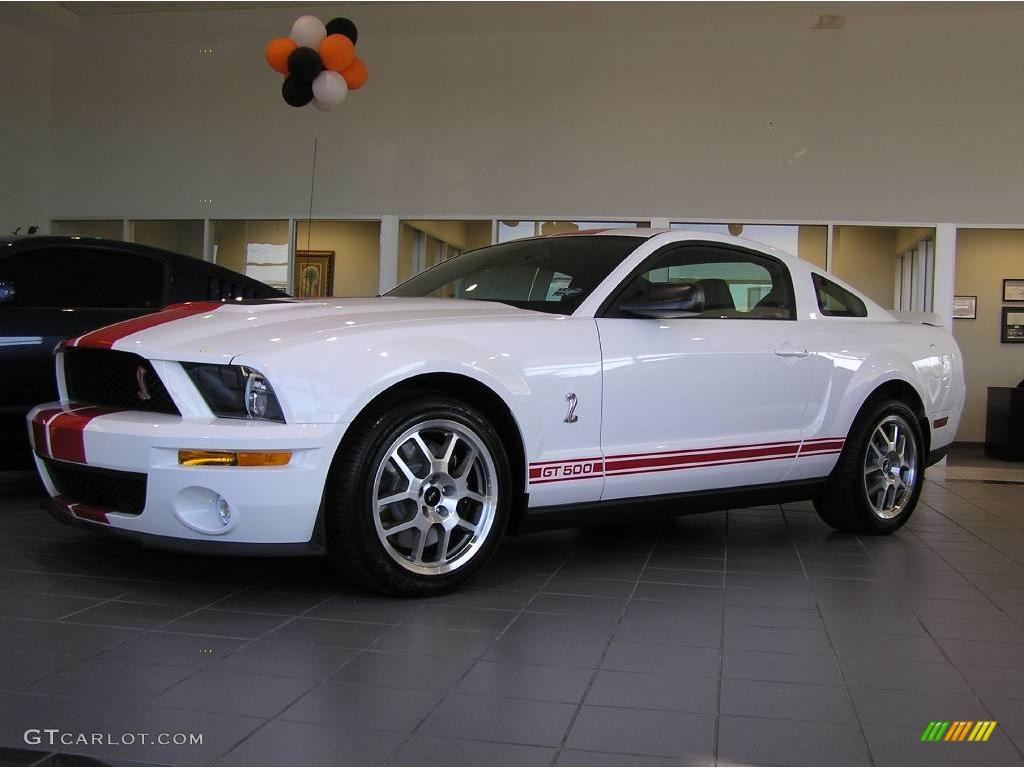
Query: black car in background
(53, 288)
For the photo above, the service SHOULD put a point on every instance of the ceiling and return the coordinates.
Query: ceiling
(109, 9)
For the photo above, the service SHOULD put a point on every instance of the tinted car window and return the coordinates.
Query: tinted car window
(548, 274)
(836, 301)
(736, 284)
(81, 278)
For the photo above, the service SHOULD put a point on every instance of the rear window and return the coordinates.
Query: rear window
(836, 301)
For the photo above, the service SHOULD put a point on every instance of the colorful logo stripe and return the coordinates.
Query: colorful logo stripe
(958, 730)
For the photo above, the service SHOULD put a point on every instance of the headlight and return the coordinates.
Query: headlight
(235, 391)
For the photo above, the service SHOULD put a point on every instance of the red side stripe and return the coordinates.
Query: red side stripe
(105, 338)
(67, 433)
(773, 452)
(92, 514)
(703, 450)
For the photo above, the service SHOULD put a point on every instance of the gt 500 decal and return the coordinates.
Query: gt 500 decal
(574, 469)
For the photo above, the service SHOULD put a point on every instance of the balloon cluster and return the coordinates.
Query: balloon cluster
(318, 61)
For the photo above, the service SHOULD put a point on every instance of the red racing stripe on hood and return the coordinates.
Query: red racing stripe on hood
(104, 338)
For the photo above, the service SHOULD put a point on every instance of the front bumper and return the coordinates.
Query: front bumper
(272, 510)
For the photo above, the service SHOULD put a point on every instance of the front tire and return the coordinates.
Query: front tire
(877, 481)
(419, 498)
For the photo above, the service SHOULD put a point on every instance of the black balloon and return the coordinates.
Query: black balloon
(296, 92)
(304, 64)
(343, 26)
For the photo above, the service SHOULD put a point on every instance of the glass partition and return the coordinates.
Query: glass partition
(336, 258)
(178, 235)
(424, 243)
(112, 229)
(808, 241)
(509, 229)
(258, 248)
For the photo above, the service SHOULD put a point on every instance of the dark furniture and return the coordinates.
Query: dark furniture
(1004, 423)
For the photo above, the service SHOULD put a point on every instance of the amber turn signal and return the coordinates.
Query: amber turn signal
(234, 458)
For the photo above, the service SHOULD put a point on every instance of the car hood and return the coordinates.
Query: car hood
(217, 333)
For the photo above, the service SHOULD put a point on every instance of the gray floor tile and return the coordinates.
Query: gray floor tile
(109, 680)
(644, 691)
(676, 632)
(348, 634)
(364, 706)
(539, 723)
(777, 640)
(432, 673)
(902, 675)
(781, 667)
(762, 741)
(526, 681)
(130, 615)
(423, 749)
(465, 618)
(662, 659)
(686, 737)
(267, 657)
(235, 693)
(992, 681)
(580, 757)
(209, 621)
(559, 651)
(174, 649)
(435, 641)
(290, 743)
(757, 698)
(984, 654)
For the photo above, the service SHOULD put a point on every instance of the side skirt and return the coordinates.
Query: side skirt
(693, 502)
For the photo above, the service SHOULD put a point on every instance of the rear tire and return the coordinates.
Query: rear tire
(877, 481)
(399, 520)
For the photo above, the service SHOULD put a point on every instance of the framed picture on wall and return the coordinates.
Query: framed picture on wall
(965, 307)
(1013, 290)
(313, 276)
(1013, 326)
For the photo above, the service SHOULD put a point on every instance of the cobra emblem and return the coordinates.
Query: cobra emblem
(140, 378)
(571, 417)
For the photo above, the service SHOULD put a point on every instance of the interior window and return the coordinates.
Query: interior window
(69, 278)
(836, 301)
(736, 284)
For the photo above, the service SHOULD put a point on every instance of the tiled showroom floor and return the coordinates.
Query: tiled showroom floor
(754, 636)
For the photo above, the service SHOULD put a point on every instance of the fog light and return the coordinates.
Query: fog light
(234, 458)
(224, 511)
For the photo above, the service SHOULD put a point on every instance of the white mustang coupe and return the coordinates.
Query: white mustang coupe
(542, 382)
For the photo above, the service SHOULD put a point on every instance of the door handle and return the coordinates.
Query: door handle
(787, 350)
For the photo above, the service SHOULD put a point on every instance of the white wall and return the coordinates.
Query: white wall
(25, 63)
(725, 111)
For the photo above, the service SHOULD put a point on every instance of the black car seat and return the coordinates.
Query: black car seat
(717, 296)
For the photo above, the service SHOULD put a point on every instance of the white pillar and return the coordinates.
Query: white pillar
(945, 272)
(388, 253)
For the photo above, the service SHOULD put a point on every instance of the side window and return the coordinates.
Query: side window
(736, 284)
(85, 279)
(836, 301)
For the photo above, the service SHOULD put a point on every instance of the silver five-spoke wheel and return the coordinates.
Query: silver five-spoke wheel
(435, 496)
(890, 466)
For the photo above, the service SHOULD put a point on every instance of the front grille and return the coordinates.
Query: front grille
(110, 489)
(111, 378)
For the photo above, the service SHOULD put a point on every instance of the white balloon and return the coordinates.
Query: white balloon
(308, 31)
(322, 106)
(329, 88)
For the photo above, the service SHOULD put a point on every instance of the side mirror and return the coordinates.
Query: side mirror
(667, 302)
(6, 292)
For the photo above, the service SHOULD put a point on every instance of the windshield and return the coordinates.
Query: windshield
(547, 274)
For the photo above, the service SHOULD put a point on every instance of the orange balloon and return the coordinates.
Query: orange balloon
(355, 74)
(277, 52)
(337, 52)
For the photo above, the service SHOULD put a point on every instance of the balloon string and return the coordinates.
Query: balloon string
(312, 184)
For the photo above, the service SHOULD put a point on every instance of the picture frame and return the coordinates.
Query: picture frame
(313, 274)
(1013, 289)
(1012, 326)
(965, 307)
